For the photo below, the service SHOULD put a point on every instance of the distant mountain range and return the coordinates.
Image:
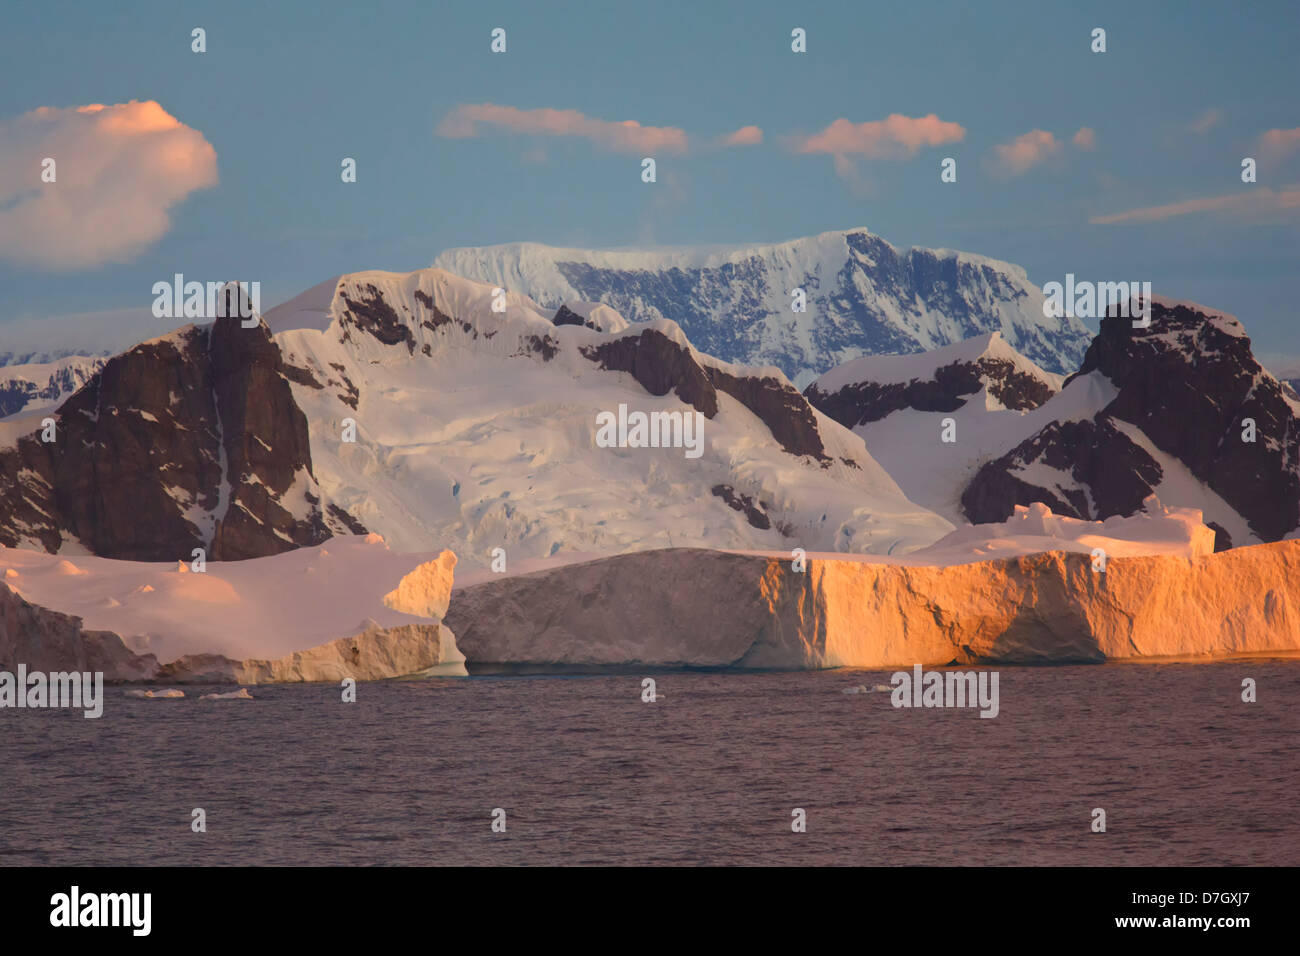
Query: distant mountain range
(863, 297)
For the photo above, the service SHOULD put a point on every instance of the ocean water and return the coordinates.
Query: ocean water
(588, 773)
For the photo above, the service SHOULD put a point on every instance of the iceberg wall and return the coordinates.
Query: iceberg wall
(720, 609)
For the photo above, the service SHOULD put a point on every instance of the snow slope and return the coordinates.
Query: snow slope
(908, 442)
(476, 430)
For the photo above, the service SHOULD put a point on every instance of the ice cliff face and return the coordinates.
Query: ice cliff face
(864, 297)
(715, 609)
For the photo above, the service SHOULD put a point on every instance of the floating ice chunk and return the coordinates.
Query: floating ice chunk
(169, 694)
(241, 694)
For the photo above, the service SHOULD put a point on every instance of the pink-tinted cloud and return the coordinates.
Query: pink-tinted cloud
(1025, 152)
(1252, 200)
(1086, 138)
(1206, 121)
(1280, 142)
(118, 170)
(894, 137)
(745, 136)
(629, 136)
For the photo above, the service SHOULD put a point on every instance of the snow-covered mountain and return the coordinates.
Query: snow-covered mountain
(900, 404)
(863, 296)
(409, 406)
(43, 385)
(477, 429)
(1181, 409)
(974, 430)
(191, 440)
(425, 407)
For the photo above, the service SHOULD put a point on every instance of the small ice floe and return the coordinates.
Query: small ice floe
(864, 689)
(169, 694)
(241, 694)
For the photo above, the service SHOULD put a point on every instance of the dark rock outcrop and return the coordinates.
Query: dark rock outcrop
(565, 316)
(1191, 385)
(189, 441)
(660, 365)
(753, 510)
(1107, 474)
(368, 311)
(946, 391)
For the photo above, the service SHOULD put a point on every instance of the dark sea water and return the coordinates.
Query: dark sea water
(589, 774)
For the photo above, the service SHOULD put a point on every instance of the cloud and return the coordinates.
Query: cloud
(629, 136)
(1280, 142)
(118, 170)
(1086, 138)
(1025, 152)
(745, 136)
(895, 137)
(1252, 201)
(1206, 121)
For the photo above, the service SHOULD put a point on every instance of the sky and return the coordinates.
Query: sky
(226, 164)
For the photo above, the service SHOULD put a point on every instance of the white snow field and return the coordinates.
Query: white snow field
(480, 433)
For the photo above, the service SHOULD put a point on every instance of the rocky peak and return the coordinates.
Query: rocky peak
(191, 440)
(868, 389)
(1187, 387)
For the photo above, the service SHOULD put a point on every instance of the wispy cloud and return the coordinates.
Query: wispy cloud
(745, 136)
(119, 169)
(1206, 121)
(629, 136)
(1085, 138)
(1280, 142)
(1252, 201)
(894, 137)
(1024, 153)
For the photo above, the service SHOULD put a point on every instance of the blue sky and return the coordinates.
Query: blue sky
(285, 91)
